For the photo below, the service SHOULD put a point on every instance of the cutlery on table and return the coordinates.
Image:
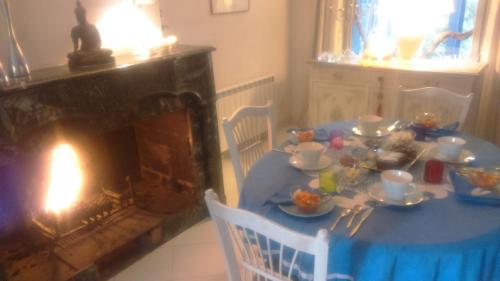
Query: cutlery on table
(355, 211)
(393, 126)
(343, 214)
(282, 151)
(364, 216)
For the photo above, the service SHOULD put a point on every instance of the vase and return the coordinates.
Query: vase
(17, 66)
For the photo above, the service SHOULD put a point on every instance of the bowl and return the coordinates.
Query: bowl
(297, 136)
(307, 202)
(486, 178)
(427, 120)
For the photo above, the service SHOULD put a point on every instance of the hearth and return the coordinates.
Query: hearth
(97, 168)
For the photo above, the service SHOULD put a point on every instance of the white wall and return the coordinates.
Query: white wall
(43, 27)
(302, 29)
(249, 44)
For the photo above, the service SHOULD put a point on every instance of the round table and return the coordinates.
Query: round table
(442, 238)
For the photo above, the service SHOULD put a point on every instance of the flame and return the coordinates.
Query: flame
(170, 40)
(125, 27)
(65, 179)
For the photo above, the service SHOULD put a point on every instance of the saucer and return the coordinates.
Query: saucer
(324, 162)
(377, 192)
(323, 209)
(381, 132)
(465, 156)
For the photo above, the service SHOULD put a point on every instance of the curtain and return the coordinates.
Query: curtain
(488, 119)
(334, 19)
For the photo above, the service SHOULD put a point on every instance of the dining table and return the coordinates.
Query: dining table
(444, 238)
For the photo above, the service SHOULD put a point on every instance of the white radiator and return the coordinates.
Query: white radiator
(255, 92)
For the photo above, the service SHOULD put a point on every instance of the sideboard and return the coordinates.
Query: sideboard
(345, 91)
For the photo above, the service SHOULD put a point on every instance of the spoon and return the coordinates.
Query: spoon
(343, 214)
(356, 211)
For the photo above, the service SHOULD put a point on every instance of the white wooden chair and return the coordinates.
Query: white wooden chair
(247, 237)
(446, 105)
(245, 131)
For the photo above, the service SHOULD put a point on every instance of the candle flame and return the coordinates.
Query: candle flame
(65, 179)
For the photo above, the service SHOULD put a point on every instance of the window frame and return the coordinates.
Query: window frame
(335, 37)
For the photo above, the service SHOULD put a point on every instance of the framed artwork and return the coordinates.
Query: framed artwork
(229, 6)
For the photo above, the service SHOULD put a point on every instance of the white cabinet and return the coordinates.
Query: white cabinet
(342, 92)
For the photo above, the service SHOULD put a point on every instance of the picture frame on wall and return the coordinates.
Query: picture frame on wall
(229, 6)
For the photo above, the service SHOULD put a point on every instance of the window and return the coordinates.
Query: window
(407, 29)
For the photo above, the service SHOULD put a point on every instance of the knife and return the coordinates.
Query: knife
(364, 216)
(408, 166)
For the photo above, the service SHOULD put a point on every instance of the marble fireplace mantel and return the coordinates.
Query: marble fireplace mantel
(135, 93)
(109, 94)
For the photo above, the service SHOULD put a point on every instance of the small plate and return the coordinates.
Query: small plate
(323, 209)
(324, 162)
(377, 192)
(465, 156)
(381, 132)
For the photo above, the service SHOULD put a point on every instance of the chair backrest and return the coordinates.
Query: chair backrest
(446, 105)
(245, 132)
(253, 244)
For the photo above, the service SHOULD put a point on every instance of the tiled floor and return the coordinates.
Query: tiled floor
(192, 256)
(195, 255)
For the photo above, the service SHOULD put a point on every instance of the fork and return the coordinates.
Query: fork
(355, 212)
(343, 214)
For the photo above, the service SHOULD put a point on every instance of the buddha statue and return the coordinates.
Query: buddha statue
(87, 51)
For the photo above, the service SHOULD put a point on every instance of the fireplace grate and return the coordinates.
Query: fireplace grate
(66, 226)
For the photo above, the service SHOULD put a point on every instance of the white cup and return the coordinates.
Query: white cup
(397, 184)
(369, 123)
(450, 147)
(309, 153)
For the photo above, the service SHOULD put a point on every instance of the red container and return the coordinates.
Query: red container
(434, 171)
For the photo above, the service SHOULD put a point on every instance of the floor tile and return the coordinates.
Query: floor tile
(197, 260)
(229, 180)
(203, 232)
(218, 277)
(156, 266)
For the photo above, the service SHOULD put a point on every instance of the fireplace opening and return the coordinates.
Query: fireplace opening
(79, 198)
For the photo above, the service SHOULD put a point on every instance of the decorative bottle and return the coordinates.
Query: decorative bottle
(17, 66)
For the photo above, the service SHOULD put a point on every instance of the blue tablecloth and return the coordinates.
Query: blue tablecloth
(441, 239)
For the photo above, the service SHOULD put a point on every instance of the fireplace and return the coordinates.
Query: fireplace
(99, 167)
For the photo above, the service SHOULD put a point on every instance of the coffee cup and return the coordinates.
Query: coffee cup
(397, 184)
(450, 147)
(309, 153)
(369, 124)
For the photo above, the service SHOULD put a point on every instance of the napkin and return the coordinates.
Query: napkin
(283, 196)
(320, 135)
(448, 130)
(463, 190)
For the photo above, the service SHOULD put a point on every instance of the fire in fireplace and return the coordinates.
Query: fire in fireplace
(65, 210)
(65, 180)
(104, 166)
